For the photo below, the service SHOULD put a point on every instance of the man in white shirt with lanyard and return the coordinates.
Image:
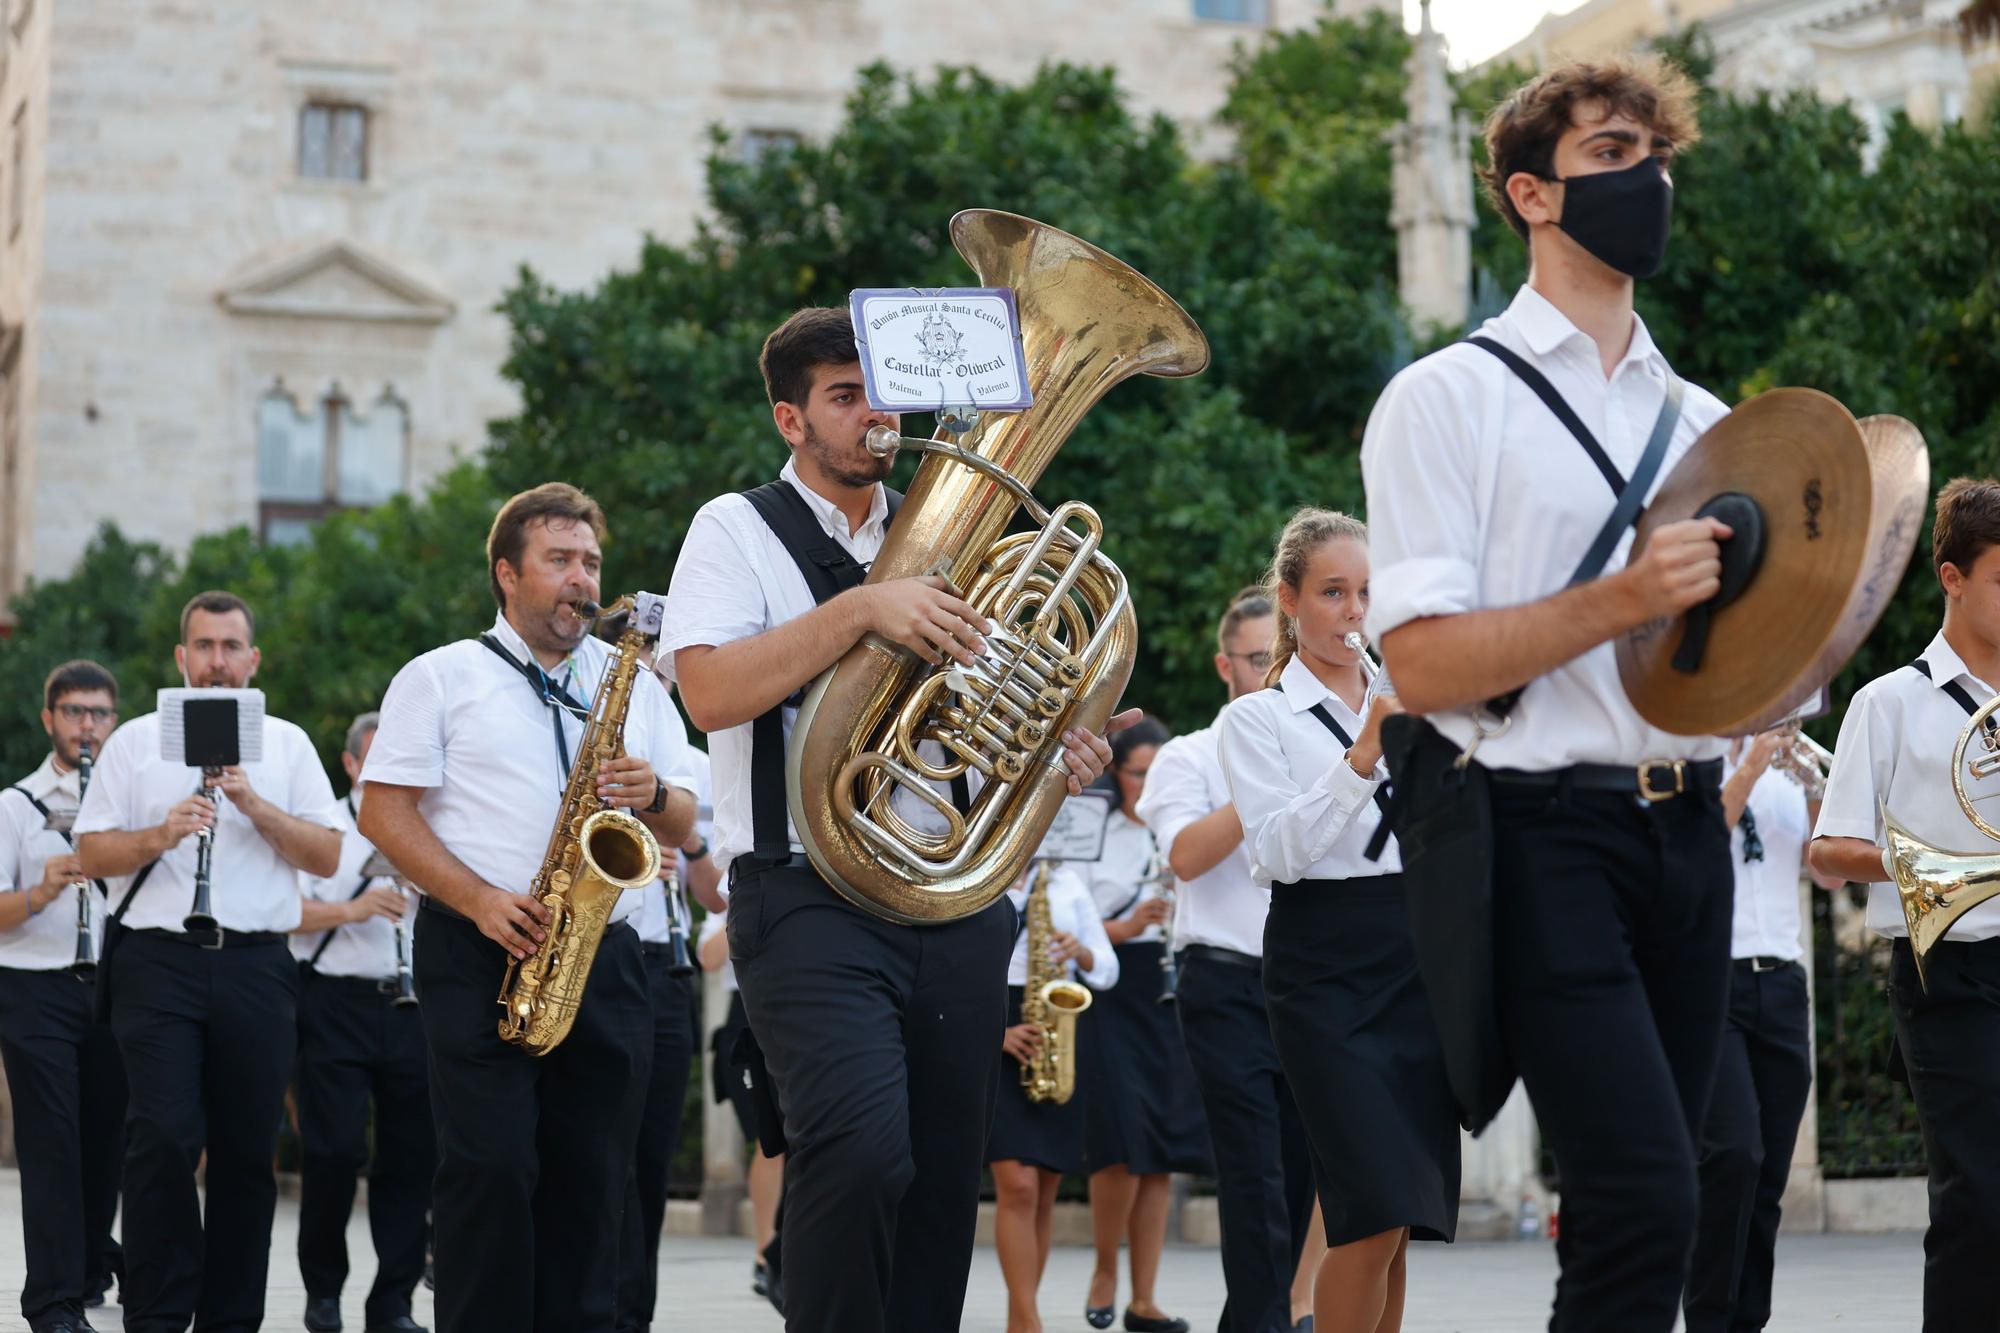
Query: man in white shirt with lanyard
(62, 1065)
(878, 1037)
(1895, 753)
(464, 782)
(207, 1026)
(360, 1043)
(1263, 1168)
(1494, 471)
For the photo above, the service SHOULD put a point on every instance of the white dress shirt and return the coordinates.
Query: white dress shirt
(1223, 906)
(251, 887)
(1071, 909)
(1767, 921)
(715, 923)
(1306, 814)
(364, 948)
(1478, 498)
(652, 920)
(735, 579)
(1119, 879)
(47, 941)
(471, 731)
(1895, 749)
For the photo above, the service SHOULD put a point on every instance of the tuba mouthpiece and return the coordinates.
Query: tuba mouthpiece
(882, 442)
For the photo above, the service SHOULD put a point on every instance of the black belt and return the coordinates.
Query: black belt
(431, 904)
(1764, 963)
(373, 985)
(222, 939)
(748, 863)
(1650, 779)
(1215, 953)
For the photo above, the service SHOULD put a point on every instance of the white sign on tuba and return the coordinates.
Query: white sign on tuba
(923, 351)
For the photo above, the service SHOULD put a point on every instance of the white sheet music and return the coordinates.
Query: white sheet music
(173, 722)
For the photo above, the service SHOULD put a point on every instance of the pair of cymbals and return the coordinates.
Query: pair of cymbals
(1841, 503)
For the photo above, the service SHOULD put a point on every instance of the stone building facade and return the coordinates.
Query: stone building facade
(252, 250)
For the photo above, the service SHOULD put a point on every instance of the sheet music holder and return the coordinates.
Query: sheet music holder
(211, 728)
(377, 866)
(1078, 831)
(61, 821)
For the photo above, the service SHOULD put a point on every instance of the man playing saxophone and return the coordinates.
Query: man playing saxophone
(463, 785)
(879, 1037)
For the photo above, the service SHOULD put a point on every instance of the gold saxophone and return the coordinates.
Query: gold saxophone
(595, 853)
(1064, 634)
(1052, 1003)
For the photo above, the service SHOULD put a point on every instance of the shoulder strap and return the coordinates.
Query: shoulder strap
(1332, 724)
(540, 680)
(43, 810)
(828, 571)
(327, 938)
(138, 883)
(1629, 496)
(1955, 690)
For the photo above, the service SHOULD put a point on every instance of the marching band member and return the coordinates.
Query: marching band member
(1348, 1011)
(665, 942)
(1610, 913)
(63, 1071)
(464, 783)
(361, 1045)
(1765, 1073)
(207, 1026)
(1263, 1171)
(1033, 1145)
(1895, 753)
(767, 1172)
(1142, 1115)
(884, 1111)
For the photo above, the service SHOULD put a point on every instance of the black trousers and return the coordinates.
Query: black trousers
(208, 1037)
(879, 1039)
(1761, 1084)
(1950, 1035)
(1611, 932)
(69, 1134)
(533, 1151)
(357, 1047)
(659, 1135)
(1263, 1165)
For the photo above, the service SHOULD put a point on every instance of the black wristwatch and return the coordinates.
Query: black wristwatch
(659, 797)
(697, 853)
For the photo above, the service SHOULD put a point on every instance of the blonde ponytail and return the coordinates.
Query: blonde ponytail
(1306, 531)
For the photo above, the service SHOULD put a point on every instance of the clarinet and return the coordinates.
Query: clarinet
(681, 963)
(406, 983)
(1162, 874)
(84, 968)
(200, 919)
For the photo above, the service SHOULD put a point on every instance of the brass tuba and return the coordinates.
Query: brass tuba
(1937, 887)
(1064, 631)
(595, 852)
(1051, 1002)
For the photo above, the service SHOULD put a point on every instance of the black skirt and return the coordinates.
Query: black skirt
(1041, 1134)
(1354, 1033)
(1143, 1111)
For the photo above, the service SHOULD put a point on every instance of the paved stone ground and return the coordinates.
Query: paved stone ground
(1848, 1284)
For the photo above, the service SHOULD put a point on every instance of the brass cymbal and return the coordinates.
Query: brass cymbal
(1800, 456)
(1900, 466)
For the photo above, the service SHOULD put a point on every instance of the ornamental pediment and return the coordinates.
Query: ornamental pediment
(336, 279)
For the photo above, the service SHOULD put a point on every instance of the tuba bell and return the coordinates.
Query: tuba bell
(1937, 887)
(1064, 632)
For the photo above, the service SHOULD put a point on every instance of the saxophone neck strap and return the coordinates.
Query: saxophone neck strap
(558, 699)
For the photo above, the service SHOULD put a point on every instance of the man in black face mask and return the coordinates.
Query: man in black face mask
(1494, 471)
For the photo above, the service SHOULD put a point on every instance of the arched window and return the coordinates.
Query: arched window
(328, 457)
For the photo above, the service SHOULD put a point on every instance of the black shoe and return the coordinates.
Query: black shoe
(1140, 1323)
(65, 1323)
(323, 1314)
(760, 1278)
(1099, 1316)
(402, 1323)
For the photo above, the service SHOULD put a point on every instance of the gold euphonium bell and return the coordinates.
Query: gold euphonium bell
(863, 797)
(1937, 887)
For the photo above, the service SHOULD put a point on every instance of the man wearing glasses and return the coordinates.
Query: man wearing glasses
(1263, 1179)
(62, 1065)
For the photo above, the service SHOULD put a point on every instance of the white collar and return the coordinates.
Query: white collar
(45, 780)
(1947, 666)
(1546, 328)
(1302, 689)
(510, 639)
(827, 512)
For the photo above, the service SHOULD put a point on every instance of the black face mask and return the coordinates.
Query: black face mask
(1621, 217)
